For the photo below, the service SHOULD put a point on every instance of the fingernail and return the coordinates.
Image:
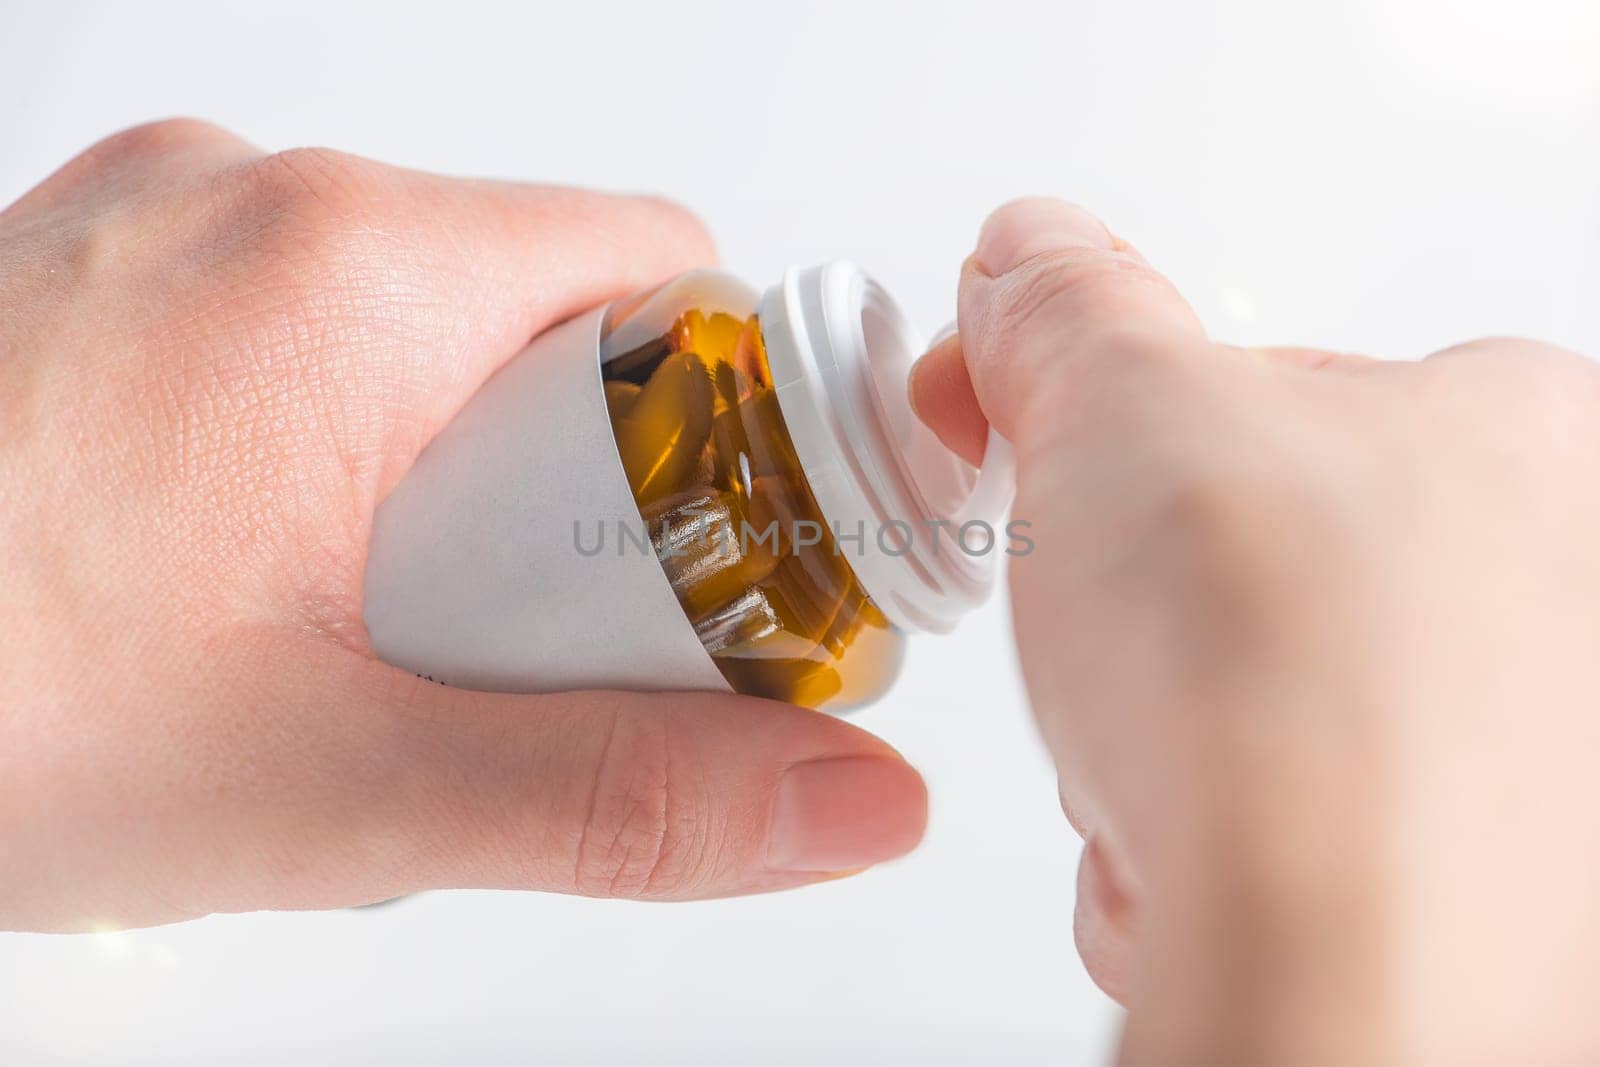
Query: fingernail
(1022, 229)
(844, 814)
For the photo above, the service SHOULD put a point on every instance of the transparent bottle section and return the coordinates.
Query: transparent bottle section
(726, 505)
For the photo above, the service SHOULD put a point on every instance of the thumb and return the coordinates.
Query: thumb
(1050, 294)
(652, 796)
(655, 796)
(354, 782)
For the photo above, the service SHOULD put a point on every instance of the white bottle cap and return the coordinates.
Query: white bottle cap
(931, 526)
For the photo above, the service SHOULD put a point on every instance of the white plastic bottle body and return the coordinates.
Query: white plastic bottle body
(483, 570)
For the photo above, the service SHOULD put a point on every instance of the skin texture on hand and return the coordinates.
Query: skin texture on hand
(214, 363)
(1315, 642)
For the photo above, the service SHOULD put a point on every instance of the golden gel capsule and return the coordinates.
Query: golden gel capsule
(703, 541)
(662, 435)
(619, 398)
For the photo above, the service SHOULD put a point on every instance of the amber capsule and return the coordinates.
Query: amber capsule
(620, 398)
(747, 629)
(748, 438)
(661, 437)
(875, 648)
(800, 681)
(809, 590)
(777, 630)
(713, 338)
(710, 543)
(750, 355)
(858, 654)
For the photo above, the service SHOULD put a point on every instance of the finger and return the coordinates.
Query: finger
(1051, 296)
(363, 782)
(616, 794)
(942, 397)
(443, 279)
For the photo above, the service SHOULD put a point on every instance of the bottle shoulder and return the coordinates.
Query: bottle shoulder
(632, 322)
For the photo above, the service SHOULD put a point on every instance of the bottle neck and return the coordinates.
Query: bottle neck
(840, 351)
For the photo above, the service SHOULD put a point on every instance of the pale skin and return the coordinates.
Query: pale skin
(1315, 641)
(214, 363)
(1313, 638)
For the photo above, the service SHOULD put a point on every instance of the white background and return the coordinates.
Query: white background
(1379, 175)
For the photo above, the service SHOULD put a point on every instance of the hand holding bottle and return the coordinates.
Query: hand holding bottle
(214, 363)
(1315, 641)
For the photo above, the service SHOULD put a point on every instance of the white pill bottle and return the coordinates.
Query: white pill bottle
(698, 487)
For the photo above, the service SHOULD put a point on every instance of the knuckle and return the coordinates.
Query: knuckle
(327, 202)
(1053, 277)
(1479, 349)
(1058, 291)
(642, 836)
(1516, 368)
(618, 220)
(693, 232)
(130, 160)
(1071, 324)
(315, 231)
(1524, 351)
(157, 139)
